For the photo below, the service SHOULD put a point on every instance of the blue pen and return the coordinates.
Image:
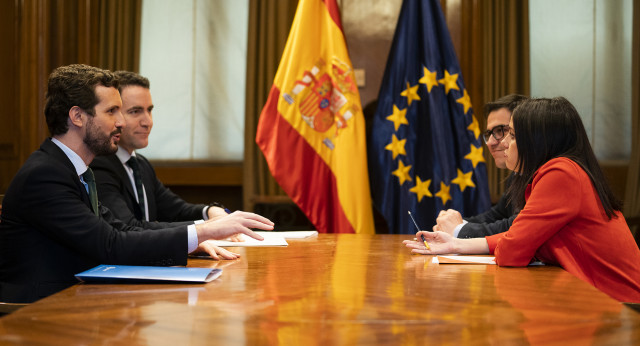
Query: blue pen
(418, 228)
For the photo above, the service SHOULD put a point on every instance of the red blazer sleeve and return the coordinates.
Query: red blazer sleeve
(553, 200)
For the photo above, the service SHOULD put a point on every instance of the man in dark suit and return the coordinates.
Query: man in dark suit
(52, 224)
(116, 173)
(498, 219)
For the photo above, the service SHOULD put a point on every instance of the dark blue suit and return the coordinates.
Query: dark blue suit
(496, 220)
(116, 193)
(49, 232)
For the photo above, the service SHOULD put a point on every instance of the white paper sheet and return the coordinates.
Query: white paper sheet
(270, 239)
(454, 259)
(294, 234)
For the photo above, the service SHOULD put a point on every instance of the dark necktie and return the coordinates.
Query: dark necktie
(137, 178)
(90, 180)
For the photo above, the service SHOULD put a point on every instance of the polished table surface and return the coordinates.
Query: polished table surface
(334, 289)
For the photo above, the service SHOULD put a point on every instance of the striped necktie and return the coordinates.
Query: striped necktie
(90, 180)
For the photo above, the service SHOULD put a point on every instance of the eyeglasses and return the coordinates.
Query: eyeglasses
(497, 132)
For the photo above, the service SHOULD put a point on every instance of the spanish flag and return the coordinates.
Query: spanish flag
(312, 130)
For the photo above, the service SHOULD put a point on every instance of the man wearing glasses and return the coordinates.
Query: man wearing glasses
(498, 219)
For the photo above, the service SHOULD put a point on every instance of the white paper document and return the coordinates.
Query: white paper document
(295, 234)
(270, 239)
(464, 259)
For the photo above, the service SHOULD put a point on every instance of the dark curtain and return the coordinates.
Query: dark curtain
(632, 194)
(269, 24)
(506, 64)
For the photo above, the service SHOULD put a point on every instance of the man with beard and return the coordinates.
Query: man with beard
(52, 224)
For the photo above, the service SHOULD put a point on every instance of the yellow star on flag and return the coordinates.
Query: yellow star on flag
(449, 81)
(474, 127)
(444, 193)
(464, 180)
(475, 155)
(429, 79)
(397, 146)
(402, 172)
(421, 188)
(465, 100)
(399, 117)
(411, 93)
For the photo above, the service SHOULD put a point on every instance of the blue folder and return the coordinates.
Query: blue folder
(147, 274)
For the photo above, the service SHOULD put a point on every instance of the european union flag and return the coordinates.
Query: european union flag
(425, 149)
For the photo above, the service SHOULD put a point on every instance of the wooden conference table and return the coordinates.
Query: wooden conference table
(334, 289)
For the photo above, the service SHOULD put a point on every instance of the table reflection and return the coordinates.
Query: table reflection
(333, 289)
(584, 322)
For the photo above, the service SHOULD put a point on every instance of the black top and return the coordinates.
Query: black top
(116, 192)
(496, 220)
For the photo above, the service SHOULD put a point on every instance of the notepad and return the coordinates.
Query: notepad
(295, 234)
(270, 239)
(122, 273)
(456, 259)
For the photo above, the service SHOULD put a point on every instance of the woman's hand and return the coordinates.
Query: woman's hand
(439, 243)
(444, 243)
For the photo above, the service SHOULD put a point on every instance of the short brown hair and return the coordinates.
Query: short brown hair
(127, 78)
(509, 102)
(73, 85)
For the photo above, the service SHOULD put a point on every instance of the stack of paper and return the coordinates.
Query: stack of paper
(270, 239)
(294, 234)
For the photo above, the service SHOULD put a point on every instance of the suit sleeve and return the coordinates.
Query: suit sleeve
(479, 230)
(496, 220)
(498, 212)
(65, 217)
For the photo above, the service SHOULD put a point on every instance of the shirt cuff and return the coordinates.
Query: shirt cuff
(456, 230)
(205, 216)
(192, 238)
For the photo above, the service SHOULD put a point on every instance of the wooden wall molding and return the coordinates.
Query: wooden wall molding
(190, 173)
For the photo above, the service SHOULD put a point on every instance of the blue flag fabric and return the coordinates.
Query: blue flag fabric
(425, 151)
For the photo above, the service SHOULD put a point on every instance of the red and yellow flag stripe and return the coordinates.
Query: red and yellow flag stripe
(311, 129)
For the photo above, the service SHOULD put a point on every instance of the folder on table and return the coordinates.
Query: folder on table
(147, 274)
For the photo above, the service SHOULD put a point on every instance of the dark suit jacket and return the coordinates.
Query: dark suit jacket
(49, 231)
(496, 220)
(116, 193)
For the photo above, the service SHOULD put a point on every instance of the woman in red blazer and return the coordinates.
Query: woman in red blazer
(569, 216)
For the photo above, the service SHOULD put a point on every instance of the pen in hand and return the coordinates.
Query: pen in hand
(425, 242)
(418, 228)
